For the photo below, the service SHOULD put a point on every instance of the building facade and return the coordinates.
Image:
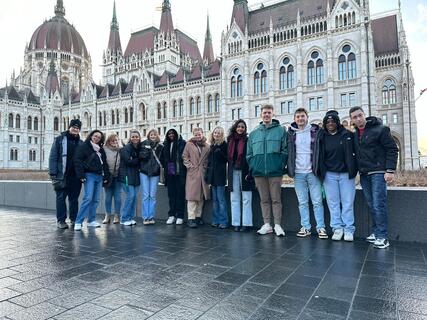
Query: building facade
(332, 55)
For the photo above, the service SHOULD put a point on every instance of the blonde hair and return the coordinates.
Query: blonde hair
(153, 130)
(212, 140)
(110, 138)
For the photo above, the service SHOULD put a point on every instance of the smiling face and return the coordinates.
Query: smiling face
(217, 134)
(267, 115)
(301, 119)
(198, 135)
(171, 135)
(241, 128)
(153, 135)
(96, 137)
(331, 126)
(135, 138)
(114, 142)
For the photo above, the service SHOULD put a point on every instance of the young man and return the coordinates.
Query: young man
(376, 153)
(303, 162)
(267, 156)
(61, 171)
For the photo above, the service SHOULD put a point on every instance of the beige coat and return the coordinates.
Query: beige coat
(196, 163)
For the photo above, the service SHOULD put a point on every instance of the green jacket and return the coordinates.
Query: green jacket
(267, 151)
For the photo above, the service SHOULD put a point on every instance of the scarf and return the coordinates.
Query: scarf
(240, 139)
(97, 149)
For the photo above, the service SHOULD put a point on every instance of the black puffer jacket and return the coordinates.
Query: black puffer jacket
(376, 150)
(216, 173)
(129, 165)
(149, 165)
(87, 161)
(174, 156)
(346, 140)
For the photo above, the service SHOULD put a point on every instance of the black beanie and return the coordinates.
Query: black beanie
(331, 114)
(75, 123)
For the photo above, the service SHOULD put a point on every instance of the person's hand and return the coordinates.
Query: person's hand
(389, 176)
(105, 181)
(83, 180)
(53, 177)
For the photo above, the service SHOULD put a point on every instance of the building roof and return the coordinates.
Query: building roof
(166, 23)
(108, 90)
(129, 88)
(140, 41)
(188, 46)
(14, 94)
(213, 69)
(52, 82)
(120, 87)
(385, 35)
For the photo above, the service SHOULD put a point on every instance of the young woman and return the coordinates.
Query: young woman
(195, 158)
(91, 168)
(149, 155)
(216, 176)
(240, 182)
(175, 173)
(337, 166)
(129, 177)
(113, 188)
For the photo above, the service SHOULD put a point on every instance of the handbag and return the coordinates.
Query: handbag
(162, 170)
(110, 181)
(59, 184)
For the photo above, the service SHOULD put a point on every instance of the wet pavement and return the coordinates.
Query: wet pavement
(173, 272)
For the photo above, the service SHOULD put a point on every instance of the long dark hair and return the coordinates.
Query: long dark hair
(233, 128)
(89, 137)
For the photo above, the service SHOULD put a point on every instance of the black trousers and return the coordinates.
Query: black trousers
(72, 191)
(176, 194)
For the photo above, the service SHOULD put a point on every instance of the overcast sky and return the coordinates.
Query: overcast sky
(19, 19)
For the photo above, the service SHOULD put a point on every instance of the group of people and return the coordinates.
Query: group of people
(323, 161)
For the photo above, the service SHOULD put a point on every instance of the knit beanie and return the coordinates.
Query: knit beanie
(331, 114)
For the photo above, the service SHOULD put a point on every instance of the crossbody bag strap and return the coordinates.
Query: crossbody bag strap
(115, 163)
(155, 156)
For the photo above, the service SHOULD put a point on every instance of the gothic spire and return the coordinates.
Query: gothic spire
(52, 82)
(208, 54)
(166, 23)
(59, 9)
(114, 43)
(114, 23)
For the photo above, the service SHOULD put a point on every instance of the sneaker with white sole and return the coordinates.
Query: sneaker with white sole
(381, 243)
(170, 220)
(348, 236)
(265, 229)
(78, 227)
(321, 233)
(338, 233)
(278, 230)
(133, 222)
(371, 238)
(303, 232)
(179, 221)
(94, 224)
(126, 223)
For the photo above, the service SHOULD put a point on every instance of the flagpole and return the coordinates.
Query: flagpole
(409, 109)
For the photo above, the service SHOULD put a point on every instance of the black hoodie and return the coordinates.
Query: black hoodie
(173, 155)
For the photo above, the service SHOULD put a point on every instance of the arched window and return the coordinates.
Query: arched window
(342, 68)
(310, 73)
(30, 123)
(174, 109)
(100, 118)
(319, 71)
(165, 110)
(159, 111)
(347, 64)
(117, 116)
(282, 78)
(286, 75)
(210, 104)
(32, 155)
(105, 117)
(233, 86)
(36, 123)
(315, 69)
(264, 82)
(55, 124)
(239, 88)
(192, 106)
(236, 84)
(18, 121)
(260, 79)
(389, 92)
(256, 83)
(198, 105)
(217, 102)
(10, 120)
(13, 154)
(126, 115)
(351, 66)
(181, 108)
(143, 111)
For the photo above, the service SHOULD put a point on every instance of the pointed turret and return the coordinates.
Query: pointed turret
(166, 23)
(208, 54)
(59, 9)
(114, 44)
(240, 14)
(52, 83)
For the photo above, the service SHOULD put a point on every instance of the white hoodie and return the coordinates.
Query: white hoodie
(303, 149)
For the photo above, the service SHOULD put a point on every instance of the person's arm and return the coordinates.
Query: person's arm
(249, 152)
(128, 160)
(186, 157)
(105, 167)
(391, 153)
(284, 149)
(53, 160)
(79, 158)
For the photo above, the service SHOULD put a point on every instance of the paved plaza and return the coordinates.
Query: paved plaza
(173, 272)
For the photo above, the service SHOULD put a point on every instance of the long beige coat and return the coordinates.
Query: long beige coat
(196, 163)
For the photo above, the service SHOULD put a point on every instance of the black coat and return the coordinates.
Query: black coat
(216, 173)
(346, 139)
(376, 150)
(175, 156)
(148, 163)
(129, 165)
(248, 184)
(58, 157)
(87, 161)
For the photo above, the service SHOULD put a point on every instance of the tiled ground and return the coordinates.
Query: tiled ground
(172, 272)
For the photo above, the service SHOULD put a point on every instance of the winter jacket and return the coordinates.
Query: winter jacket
(376, 150)
(346, 140)
(175, 156)
(129, 165)
(267, 150)
(58, 156)
(196, 160)
(87, 161)
(247, 184)
(314, 146)
(113, 160)
(148, 163)
(216, 173)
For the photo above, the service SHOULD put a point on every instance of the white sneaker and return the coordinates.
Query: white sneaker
(179, 221)
(278, 230)
(381, 243)
(133, 222)
(348, 236)
(94, 224)
(371, 238)
(78, 227)
(338, 233)
(170, 220)
(266, 228)
(127, 223)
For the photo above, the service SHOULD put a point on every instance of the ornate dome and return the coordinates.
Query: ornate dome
(58, 34)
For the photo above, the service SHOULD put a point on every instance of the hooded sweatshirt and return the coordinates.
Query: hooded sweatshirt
(303, 150)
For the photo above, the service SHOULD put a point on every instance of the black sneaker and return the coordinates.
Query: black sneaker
(223, 226)
(199, 221)
(381, 243)
(214, 225)
(192, 223)
(245, 229)
(62, 225)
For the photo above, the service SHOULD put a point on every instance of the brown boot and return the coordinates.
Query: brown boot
(116, 219)
(106, 219)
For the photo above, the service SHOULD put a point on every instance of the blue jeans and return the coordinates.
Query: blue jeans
(305, 182)
(340, 191)
(92, 194)
(114, 191)
(149, 191)
(129, 207)
(375, 191)
(236, 198)
(219, 214)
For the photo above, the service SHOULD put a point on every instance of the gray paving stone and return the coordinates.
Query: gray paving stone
(87, 311)
(40, 311)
